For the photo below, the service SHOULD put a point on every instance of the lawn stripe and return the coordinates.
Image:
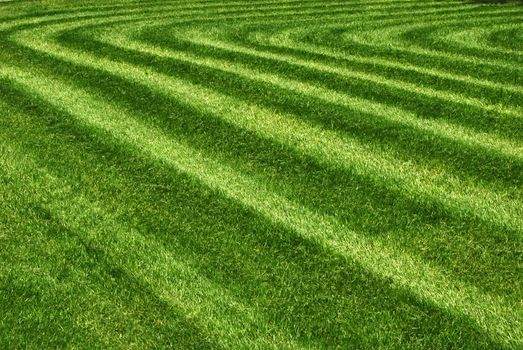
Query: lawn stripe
(246, 150)
(285, 40)
(502, 111)
(437, 127)
(228, 321)
(478, 38)
(325, 146)
(491, 314)
(245, 249)
(361, 33)
(220, 48)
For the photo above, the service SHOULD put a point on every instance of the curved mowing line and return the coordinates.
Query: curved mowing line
(159, 7)
(430, 53)
(442, 40)
(120, 38)
(227, 48)
(384, 10)
(517, 151)
(501, 110)
(229, 322)
(376, 50)
(509, 88)
(494, 315)
(397, 21)
(450, 57)
(184, 56)
(478, 38)
(223, 14)
(284, 39)
(325, 146)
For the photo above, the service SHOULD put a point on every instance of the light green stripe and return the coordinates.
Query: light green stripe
(476, 38)
(226, 320)
(326, 146)
(119, 37)
(492, 314)
(384, 38)
(284, 39)
(506, 111)
(383, 10)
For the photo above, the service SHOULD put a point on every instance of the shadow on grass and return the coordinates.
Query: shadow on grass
(288, 278)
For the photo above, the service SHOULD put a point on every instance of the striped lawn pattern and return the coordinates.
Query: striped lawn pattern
(296, 174)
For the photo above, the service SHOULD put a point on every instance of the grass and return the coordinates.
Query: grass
(261, 175)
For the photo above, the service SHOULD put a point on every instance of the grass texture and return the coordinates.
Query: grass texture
(296, 174)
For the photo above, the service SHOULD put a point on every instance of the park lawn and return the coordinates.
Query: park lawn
(296, 174)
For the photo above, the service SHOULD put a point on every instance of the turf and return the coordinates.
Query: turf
(297, 174)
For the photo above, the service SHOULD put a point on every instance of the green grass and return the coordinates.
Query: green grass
(296, 174)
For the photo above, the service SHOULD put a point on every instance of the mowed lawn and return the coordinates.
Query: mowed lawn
(233, 174)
